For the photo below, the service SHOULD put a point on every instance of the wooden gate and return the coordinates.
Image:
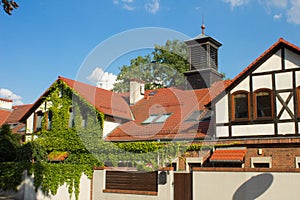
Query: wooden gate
(183, 186)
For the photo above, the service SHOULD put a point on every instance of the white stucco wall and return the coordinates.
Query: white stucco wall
(222, 110)
(222, 131)
(243, 85)
(29, 124)
(108, 127)
(26, 190)
(246, 185)
(286, 128)
(253, 130)
(165, 192)
(273, 63)
(260, 82)
(284, 80)
(297, 78)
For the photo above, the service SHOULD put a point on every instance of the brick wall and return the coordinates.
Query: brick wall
(282, 157)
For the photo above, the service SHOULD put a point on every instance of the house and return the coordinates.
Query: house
(11, 115)
(115, 109)
(257, 115)
(251, 121)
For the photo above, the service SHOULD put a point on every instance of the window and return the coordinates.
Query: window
(150, 119)
(263, 106)
(158, 118)
(261, 162)
(39, 120)
(162, 118)
(84, 120)
(71, 118)
(297, 162)
(240, 106)
(195, 116)
(49, 122)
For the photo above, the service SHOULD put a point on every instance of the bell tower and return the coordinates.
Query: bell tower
(203, 59)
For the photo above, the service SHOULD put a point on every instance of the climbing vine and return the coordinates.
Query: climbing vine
(74, 126)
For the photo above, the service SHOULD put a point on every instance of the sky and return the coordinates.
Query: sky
(85, 40)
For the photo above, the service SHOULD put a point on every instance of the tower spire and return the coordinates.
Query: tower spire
(203, 26)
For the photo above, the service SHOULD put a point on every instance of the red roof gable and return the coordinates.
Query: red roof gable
(4, 114)
(18, 112)
(228, 155)
(179, 103)
(105, 101)
(263, 56)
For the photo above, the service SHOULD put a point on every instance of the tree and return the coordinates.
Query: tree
(164, 67)
(9, 6)
(9, 144)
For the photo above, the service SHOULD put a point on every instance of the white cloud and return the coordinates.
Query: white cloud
(128, 7)
(127, 1)
(287, 8)
(152, 6)
(294, 12)
(277, 16)
(7, 94)
(116, 2)
(104, 79)
(235, 3)
(275, 3)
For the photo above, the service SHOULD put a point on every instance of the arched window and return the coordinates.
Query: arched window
(240, 105)
(263, 106)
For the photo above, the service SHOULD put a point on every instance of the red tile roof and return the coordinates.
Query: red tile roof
(264, 55)
(180, 104)
(4, 114)
(228, 155)
(105, 101)
(57, 156)
(18, 112)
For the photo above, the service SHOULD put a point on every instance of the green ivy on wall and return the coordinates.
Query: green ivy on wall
(83, 144)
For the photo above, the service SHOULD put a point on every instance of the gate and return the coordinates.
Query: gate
(182, 186)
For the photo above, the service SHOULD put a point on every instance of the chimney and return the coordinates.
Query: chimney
(137, 90)
(5, 104)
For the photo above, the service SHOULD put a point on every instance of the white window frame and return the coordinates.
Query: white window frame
(267, 160)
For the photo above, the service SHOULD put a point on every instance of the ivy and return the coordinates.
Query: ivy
(83, 144)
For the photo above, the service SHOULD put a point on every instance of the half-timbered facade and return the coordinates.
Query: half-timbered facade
(263, 100)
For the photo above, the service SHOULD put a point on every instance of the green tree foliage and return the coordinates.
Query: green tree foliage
(9, 6)
(9, 144)
(164, 67)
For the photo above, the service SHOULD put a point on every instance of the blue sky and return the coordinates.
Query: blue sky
(44, 39)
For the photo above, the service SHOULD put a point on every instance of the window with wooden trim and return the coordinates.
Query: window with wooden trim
(263, 106)
(240, 105)
(39, 120)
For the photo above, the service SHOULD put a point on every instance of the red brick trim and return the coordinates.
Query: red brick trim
(166, 169)
(101, 168)
(7, 100)
(130, 192)
(222, 169)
